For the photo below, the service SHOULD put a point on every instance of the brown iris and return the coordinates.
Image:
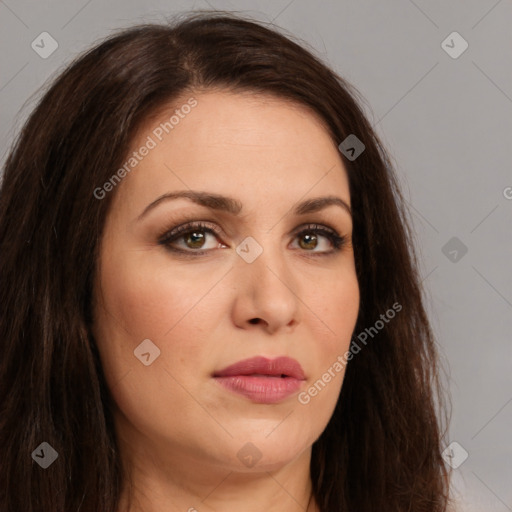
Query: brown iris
(197, 239)
(312, 239)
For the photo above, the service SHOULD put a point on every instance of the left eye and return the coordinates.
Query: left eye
(309, 239)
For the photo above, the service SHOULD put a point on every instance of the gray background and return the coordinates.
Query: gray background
(447, 124)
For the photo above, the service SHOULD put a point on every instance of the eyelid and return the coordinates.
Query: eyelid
(187, 227)
(311, 226)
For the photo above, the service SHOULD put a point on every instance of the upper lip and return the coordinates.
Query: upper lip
(262, 366)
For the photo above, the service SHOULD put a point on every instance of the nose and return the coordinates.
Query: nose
(267, 294)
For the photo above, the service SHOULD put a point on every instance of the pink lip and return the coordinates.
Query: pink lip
(263, 380)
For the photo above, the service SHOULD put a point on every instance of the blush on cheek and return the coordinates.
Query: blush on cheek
(170, 312)
(144, 306)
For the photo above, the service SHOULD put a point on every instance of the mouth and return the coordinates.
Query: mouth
(262, 380)
(262, 367)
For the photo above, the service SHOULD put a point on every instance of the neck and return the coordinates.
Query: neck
(157, 483)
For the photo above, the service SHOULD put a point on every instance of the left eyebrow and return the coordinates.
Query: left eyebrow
(319, 203)
(233, 206)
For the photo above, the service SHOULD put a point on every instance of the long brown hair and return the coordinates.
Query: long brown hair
(382, 447)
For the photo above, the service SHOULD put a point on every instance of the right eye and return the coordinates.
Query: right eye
(193, 235)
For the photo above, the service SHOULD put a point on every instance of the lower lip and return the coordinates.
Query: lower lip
(264, 390)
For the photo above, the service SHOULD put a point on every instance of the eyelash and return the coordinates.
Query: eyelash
(172, 235)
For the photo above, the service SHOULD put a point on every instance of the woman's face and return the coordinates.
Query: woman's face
(258, 279)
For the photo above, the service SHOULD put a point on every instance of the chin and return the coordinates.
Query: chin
(267, 453)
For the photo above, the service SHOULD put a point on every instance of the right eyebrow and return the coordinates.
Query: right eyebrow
(212, 201)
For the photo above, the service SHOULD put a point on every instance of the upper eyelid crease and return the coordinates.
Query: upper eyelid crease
(233, 206)
(188, 227)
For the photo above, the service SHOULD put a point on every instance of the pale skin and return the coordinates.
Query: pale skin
(179, 431)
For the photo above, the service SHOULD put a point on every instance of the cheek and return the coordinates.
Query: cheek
(336, 308)
(149, 302)
(336, 305)
(146, 301)
(146, 298)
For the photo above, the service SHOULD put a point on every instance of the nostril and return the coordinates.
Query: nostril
(254, 320)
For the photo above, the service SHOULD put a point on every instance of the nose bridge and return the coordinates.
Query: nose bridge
(267, 284)
(264, 258)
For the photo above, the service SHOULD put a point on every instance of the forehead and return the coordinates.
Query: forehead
(255, 147)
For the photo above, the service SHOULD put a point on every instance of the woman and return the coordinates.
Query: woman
(209, 296)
